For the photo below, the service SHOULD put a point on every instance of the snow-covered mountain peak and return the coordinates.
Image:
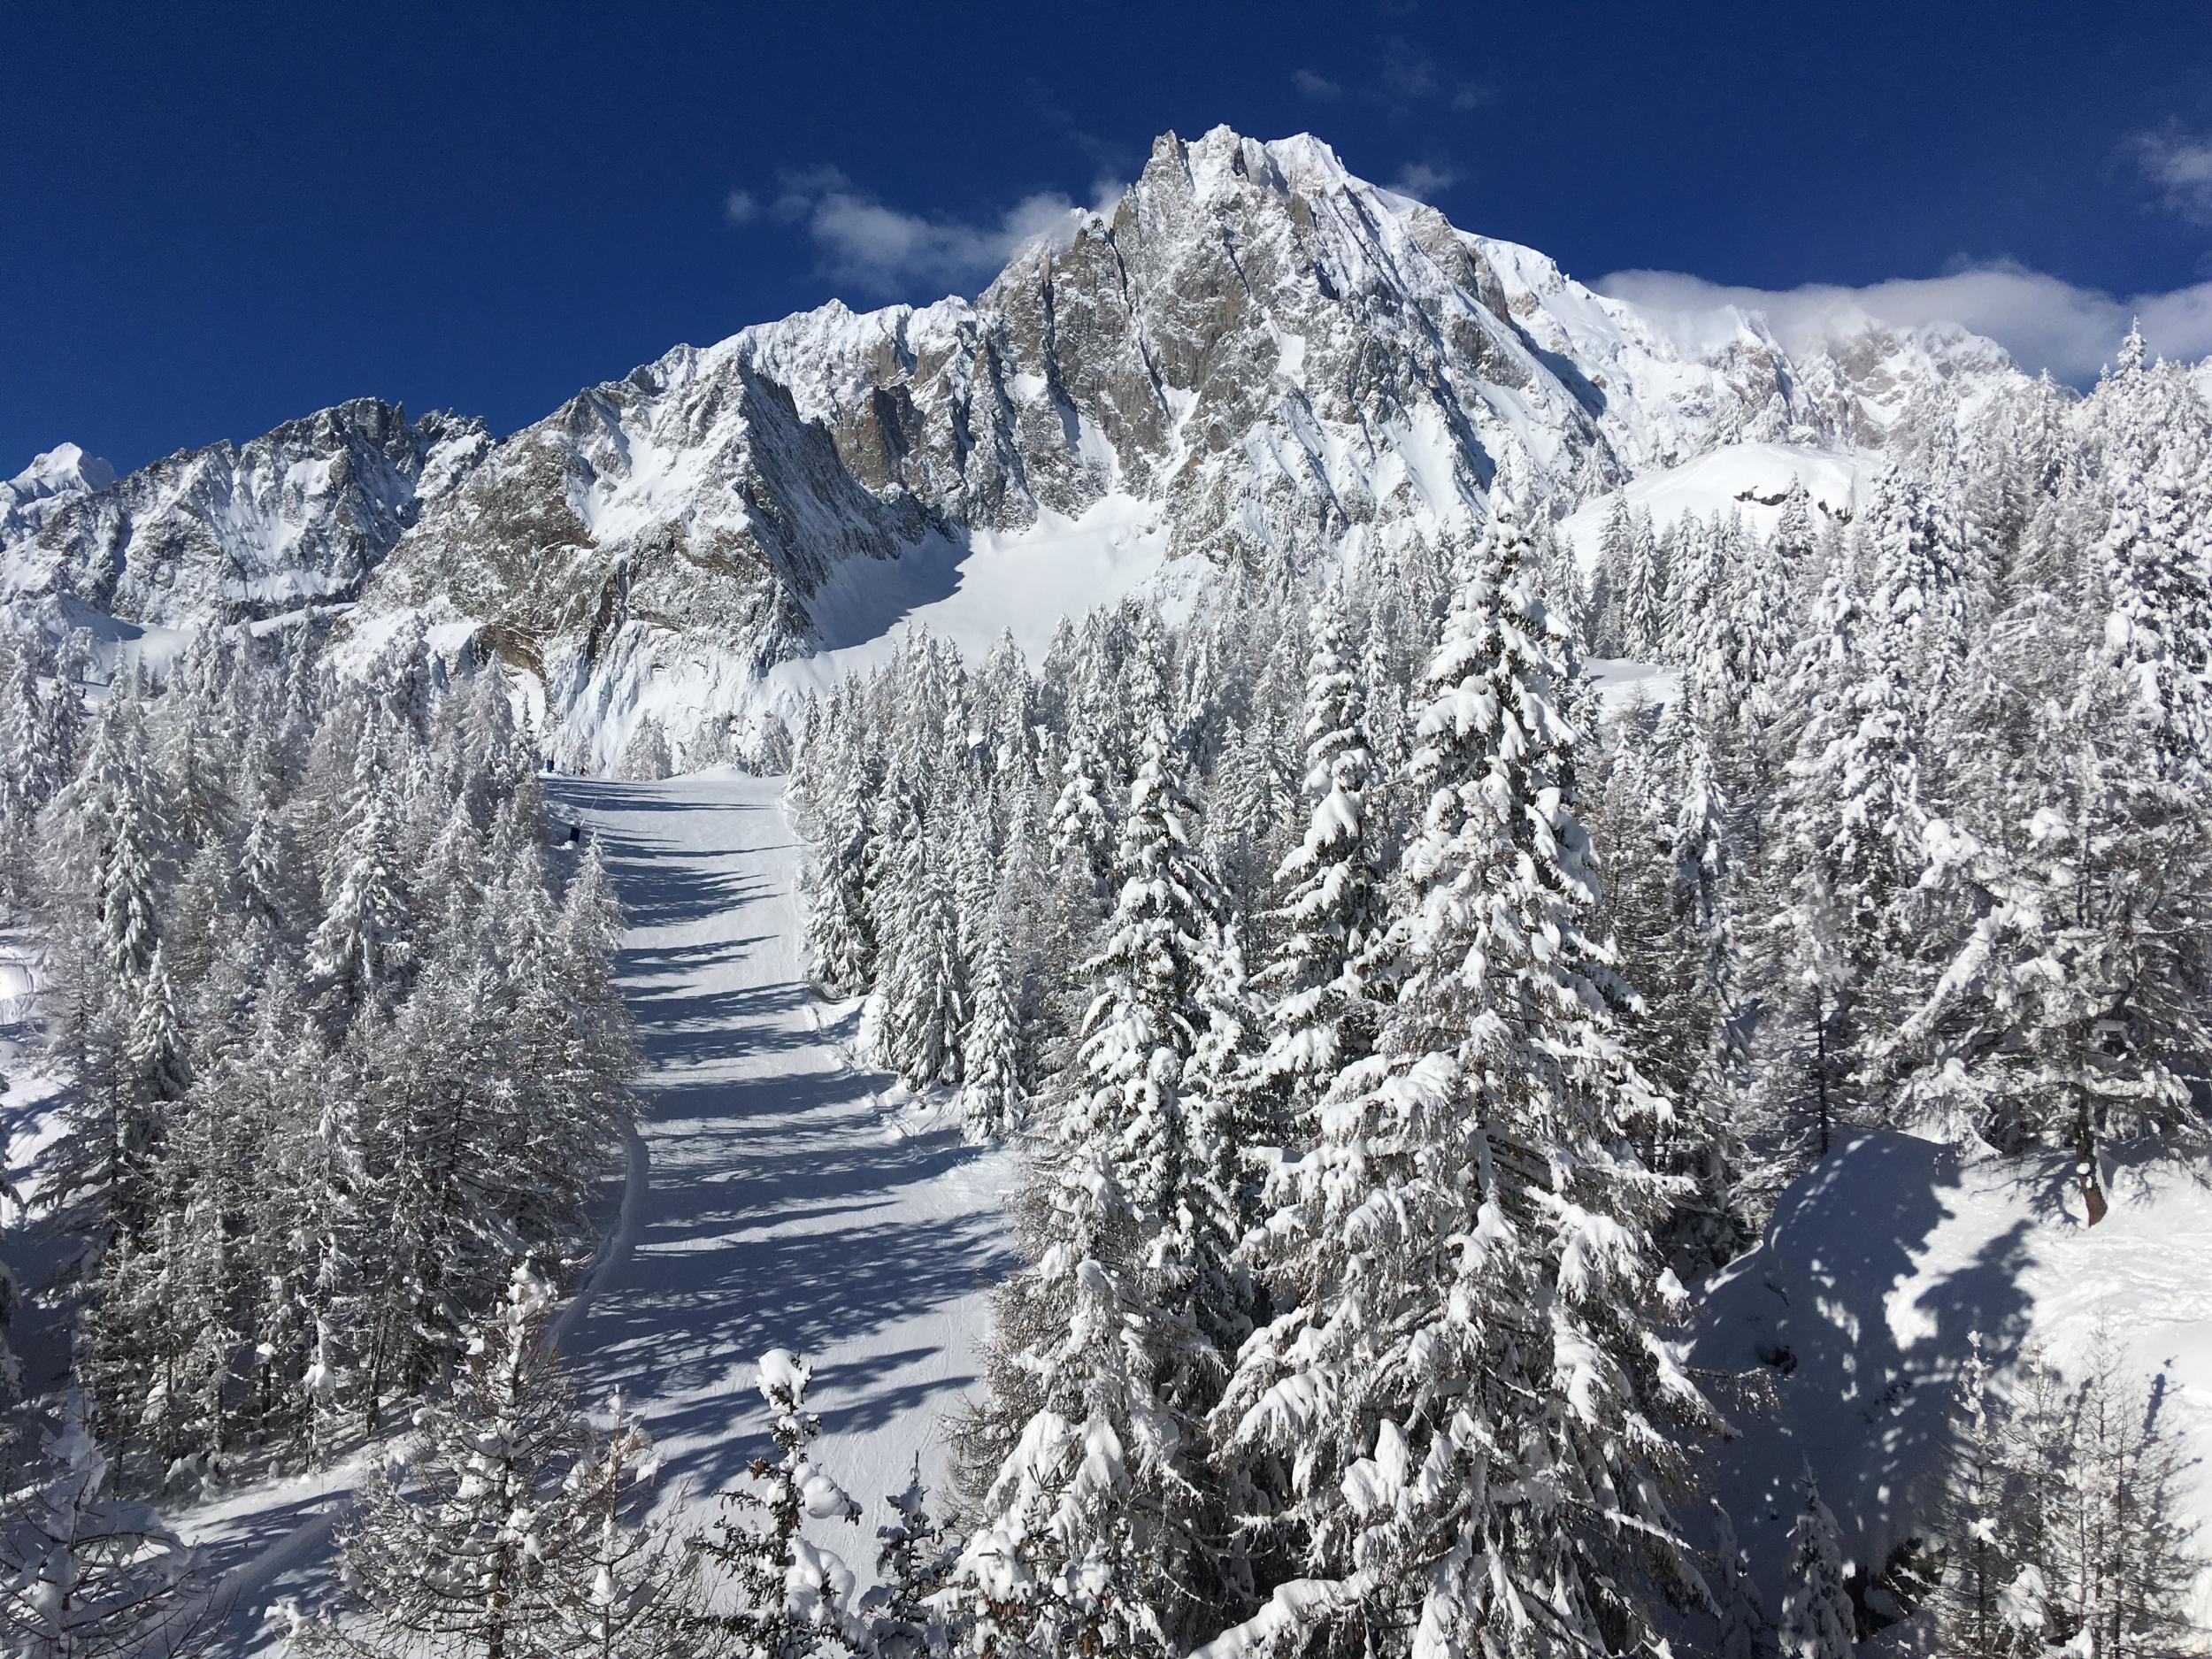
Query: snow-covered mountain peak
(40, 490)
(1308, 164)
(66, 469)
(1254, 353)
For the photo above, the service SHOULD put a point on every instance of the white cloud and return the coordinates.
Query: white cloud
(887, 251)
(1407, 73)
(1424, 179)
(2180, 165)
(2043, 321)
(1316, 86)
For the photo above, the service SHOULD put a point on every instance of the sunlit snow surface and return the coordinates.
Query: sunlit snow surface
(971, 592)
(1750, 478)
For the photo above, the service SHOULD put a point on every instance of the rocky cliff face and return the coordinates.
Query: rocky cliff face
(300, 515)
(1275, 359)
(1279, 358)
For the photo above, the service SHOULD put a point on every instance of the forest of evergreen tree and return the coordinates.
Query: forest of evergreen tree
(1397, 1028)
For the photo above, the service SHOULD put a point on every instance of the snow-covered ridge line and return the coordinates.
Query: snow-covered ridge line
(1272, 360)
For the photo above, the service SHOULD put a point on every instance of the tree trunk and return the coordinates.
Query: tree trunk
(1820, 1074)
(2092, 1198)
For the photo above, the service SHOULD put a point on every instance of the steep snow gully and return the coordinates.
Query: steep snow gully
(775, 1196)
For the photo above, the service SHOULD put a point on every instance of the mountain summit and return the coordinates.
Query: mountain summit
(1256, 358)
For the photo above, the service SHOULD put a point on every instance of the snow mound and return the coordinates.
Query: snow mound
(1750, 478)
(1620, 681)
(1857, 1306)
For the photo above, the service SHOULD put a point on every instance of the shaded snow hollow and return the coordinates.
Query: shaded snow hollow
(1857, 1306)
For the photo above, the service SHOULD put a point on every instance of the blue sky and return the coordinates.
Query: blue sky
(216, 218)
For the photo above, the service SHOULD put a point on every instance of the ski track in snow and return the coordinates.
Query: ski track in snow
(773, 1197)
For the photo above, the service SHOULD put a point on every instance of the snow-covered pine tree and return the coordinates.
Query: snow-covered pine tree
(1923, 599)
(1755, 672)
(621, 1583)
(359, 953)
(1319, 1017)
(904, 1619)
(1081, 826)
(1559, 583)
(1849, 854)
(104, 867)
(1793, 544)
(1698, 579)
(840, 933)
(646, 756)
(1467, 1423)
(921, 987)
(1644, 605)
(2150, 572)
(1616, 542)
(993, 1049)
(85, 1574)
(798, 1596)
(2064, 844)
(33, 772)
(452, 1547)
(1086, 1463)
(1222, 1130)
(1686, 1041)
(1817, 1619)
(1735, 1598)
(1980, 1553)
(2122, 1556)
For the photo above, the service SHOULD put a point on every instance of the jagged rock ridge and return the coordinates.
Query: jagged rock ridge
(1279, 360)
(299, 515)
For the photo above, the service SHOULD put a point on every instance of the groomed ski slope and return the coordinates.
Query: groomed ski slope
(785, 1200)
(774, 1196)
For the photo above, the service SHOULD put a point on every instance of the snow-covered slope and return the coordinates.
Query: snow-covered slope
(1750, 478)
(1857, 1307)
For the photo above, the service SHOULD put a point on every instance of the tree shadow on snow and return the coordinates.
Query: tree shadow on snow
(780, 1213)
(1862, 1374)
